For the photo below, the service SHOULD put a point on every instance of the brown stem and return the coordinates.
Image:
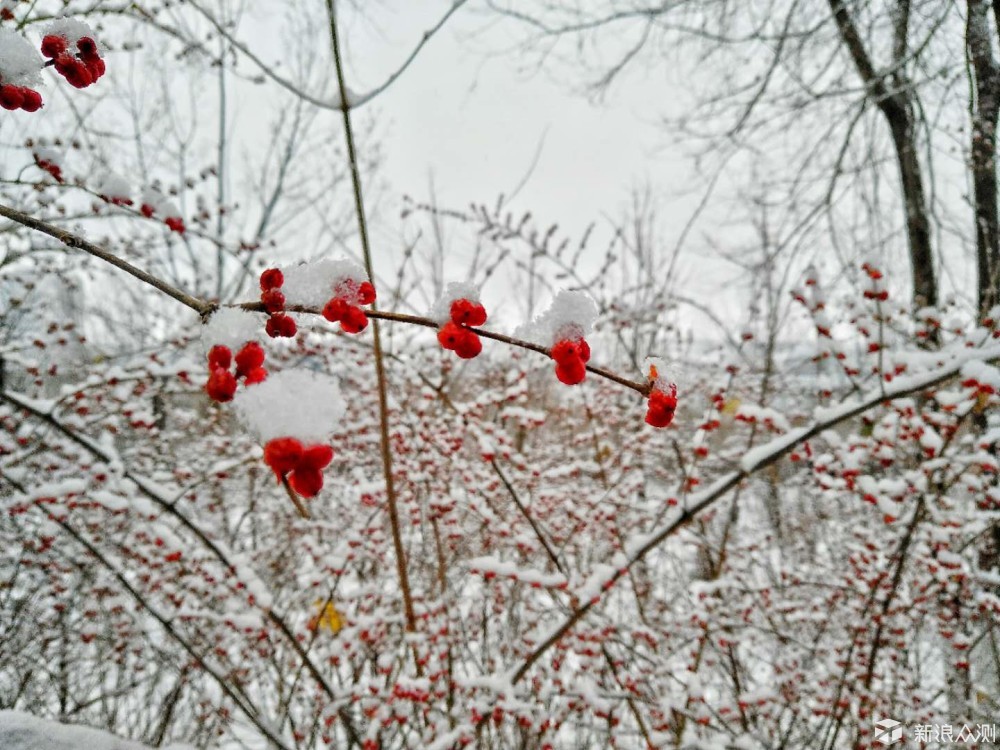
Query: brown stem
(641, 388)
(383, 400)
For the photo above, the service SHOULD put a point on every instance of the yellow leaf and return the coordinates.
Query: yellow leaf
(731, 405)
(326, 618)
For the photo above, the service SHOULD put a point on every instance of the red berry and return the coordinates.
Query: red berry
(571, 372)
(366, 293)
(282, 455)
(86, 45)
(249, 358)
(307, 482)
(460, 311)
(11, 97)
(175, 223)
(221, 385)
(74, 71)
(257, 375)
(272, 278)
(219, 356)
(147, 210)
(584, 349)
(662, 406)
(566, 351)
(315, 458)
(335, 310)
(281, 326)
(354, 320)
(95, 66)
(53, 45)
(274, 301)
(476, 315)
(449, 336)
(469, 345)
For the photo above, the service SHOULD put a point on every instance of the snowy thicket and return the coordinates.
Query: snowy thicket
(21, 731)
(608, 524)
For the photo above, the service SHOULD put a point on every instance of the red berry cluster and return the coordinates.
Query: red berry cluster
(344, 306)
(662, 405)
(174, 223)
(571, 356)
(278, 325)
(455, 337)
(303, 466)
(875, 289)
(221, 385)
(80, 69)
(19, 97)
(49, 166)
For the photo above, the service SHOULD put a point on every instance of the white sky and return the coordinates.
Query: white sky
(475, 123)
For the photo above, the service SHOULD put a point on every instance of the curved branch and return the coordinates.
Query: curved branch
(345, 99)
(74, 241)
(752, 463)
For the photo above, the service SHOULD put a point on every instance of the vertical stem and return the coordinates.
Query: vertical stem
(221, 168)
(383, 401)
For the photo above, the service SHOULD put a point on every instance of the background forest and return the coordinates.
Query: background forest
(779, 531)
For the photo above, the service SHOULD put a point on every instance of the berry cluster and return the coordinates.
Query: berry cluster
(875, 289)
(344, 307)
(154, 202)
(19, 97)
(301, 465)
(47, 162)
(455, 337)
(571, 356)
(221, 385)
(663, 402)
(81, 69)
(278, 325)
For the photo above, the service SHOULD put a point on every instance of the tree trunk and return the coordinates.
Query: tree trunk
(984, 108)
(897, 106)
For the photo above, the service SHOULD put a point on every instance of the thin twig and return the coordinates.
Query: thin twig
(383, 399)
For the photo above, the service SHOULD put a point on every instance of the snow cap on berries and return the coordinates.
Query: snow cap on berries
(48, 159)
(231, 327)
(160, 204)
(292, 403)
(20, 63)
(70, 29)
(315, 283)
(570, 316)
(440, 313)
(656, 371)
(113, 188)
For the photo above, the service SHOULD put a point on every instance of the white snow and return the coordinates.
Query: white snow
(313, 283)
(162, 206)
(20, 63)
(22, 731)
(232, 327)
(110, 185)
(982, 373)
(441, 311)
(570, 316)
(71, 29)
(291, 403)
